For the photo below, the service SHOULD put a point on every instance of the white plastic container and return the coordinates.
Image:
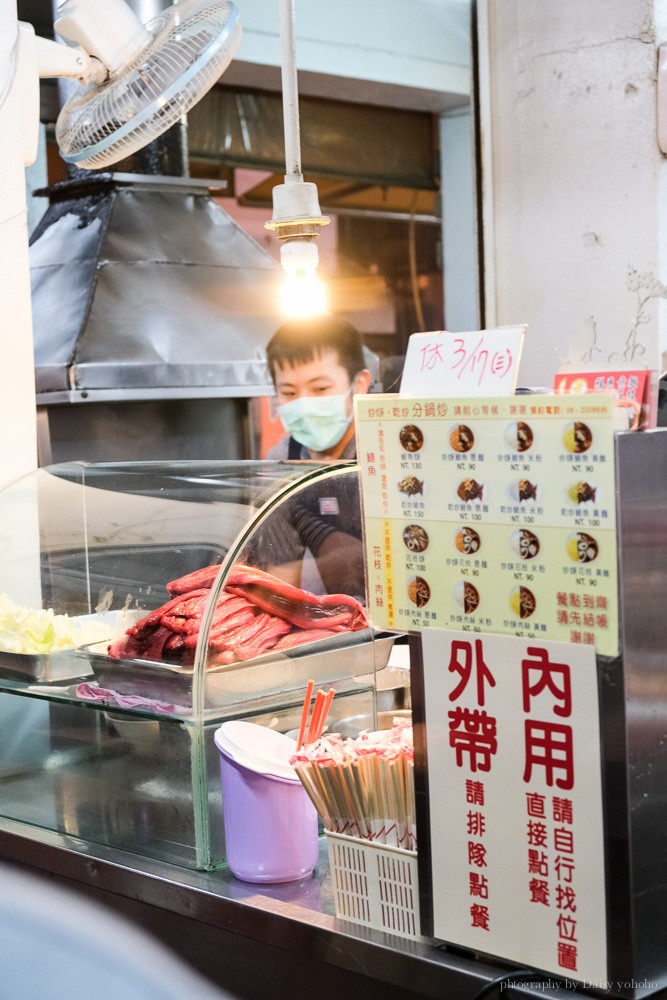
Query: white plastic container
(375, 885)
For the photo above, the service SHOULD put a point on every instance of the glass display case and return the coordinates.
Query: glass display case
(143, 603)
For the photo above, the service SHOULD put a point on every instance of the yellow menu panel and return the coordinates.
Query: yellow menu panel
(491, 515)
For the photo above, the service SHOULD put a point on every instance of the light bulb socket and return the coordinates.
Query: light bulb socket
(296, 211)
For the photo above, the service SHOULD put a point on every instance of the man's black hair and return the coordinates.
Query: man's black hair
(299, 341)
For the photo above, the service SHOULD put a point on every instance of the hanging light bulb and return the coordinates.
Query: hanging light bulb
(302, 293)
(297, 218)
(296, 221)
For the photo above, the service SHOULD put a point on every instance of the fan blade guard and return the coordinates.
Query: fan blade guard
(191, 44)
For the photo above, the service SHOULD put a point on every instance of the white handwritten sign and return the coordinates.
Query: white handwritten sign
(477, 363)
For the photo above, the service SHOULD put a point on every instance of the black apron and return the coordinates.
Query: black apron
(293, 450)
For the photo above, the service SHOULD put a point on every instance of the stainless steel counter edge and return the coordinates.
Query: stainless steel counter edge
(291, 916)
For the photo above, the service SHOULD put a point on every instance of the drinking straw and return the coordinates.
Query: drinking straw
(325, 711)
(304, 714)
(320, 698)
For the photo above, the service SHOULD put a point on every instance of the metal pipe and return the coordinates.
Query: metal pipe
(146, 10)
(290, 93)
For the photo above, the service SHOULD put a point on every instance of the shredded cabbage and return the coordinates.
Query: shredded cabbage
(27, 630)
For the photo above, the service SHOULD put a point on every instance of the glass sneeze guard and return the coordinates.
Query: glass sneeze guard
(119, 748)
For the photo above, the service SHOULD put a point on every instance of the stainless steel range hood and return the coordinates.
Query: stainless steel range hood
(144, 288)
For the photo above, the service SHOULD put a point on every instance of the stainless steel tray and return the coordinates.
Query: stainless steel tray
(342, 657)
(45, 668)
(64, 664)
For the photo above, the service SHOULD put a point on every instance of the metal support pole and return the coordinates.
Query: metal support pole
(290, 93)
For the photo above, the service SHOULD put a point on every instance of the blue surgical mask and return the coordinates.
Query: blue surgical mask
(317, 422)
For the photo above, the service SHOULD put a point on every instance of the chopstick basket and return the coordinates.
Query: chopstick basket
(375, 885)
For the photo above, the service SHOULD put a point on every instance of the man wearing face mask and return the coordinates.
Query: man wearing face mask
(317, 366)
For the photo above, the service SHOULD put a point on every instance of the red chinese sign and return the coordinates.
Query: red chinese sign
(515, 800)
(632, 390)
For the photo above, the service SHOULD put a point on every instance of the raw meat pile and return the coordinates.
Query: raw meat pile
(256, 612)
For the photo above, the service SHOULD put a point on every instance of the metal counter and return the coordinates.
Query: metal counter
(257, 941)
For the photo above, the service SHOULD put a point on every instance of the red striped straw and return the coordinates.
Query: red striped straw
(304, 713)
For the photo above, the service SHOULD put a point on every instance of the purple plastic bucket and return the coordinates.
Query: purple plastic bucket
(270, 823)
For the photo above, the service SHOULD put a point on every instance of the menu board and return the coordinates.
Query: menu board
(491, 515)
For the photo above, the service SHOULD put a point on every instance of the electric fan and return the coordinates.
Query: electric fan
(135, 80)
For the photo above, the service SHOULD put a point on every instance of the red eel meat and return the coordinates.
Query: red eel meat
(255, 612)
(301, 608)
(205, 577)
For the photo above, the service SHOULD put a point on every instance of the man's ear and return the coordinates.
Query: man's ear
(362, 382)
